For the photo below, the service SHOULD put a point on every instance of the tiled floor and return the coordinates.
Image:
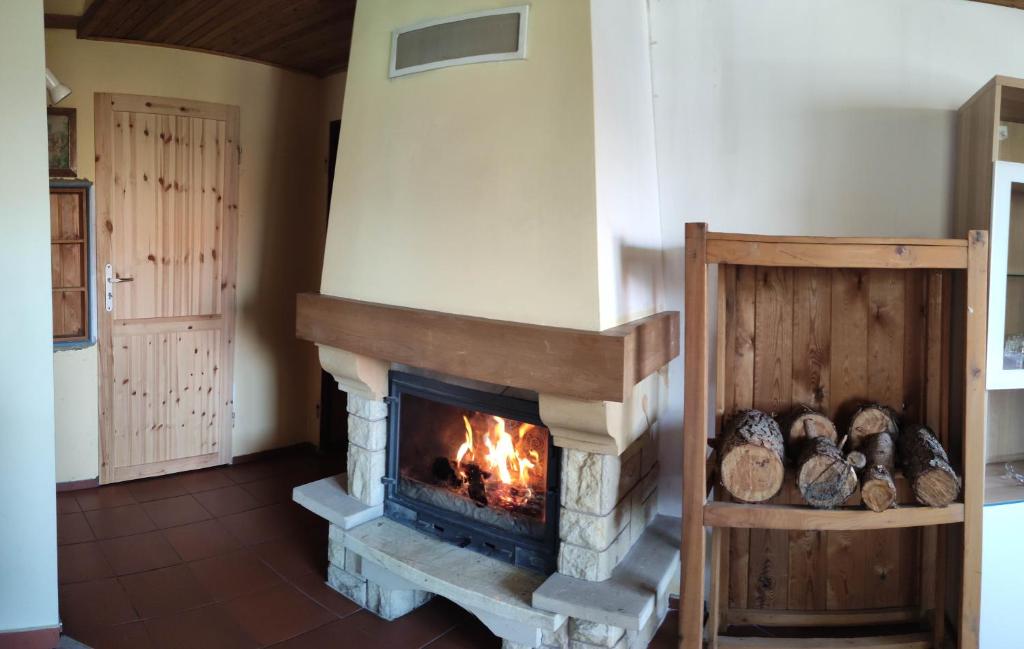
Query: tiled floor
(222, 559)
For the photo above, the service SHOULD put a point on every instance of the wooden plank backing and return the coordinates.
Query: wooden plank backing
(831, 339)
(602, 366)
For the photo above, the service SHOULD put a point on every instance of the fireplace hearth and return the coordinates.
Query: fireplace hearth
(473, 468)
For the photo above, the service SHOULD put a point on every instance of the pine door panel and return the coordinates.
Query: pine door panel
(166, 196)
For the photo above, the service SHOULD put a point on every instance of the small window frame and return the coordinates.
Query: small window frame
(520, 53)
(90, 265)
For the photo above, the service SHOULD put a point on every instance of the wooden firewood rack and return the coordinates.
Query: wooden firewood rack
(830, 323)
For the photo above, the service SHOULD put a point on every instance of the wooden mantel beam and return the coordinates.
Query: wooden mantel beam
(592, 365)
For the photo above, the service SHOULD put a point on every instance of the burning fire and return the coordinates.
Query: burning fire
(500, 456)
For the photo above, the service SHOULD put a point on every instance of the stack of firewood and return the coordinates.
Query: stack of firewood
(754, 448)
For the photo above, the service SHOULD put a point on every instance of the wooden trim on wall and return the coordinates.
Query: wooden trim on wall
(77, 485)
(60, 21)
(46, 638)
(593, 365)
(302, 448)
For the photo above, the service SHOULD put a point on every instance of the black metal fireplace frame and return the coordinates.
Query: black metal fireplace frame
(540, 555)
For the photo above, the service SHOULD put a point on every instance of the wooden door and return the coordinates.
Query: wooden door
(166, 199)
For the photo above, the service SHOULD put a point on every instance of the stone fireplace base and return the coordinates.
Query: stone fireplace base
(391, 569)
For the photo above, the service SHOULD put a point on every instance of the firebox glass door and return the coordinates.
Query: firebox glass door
(487, 469)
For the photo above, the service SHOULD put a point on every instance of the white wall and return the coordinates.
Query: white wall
(1002, 574)
(28, 516)
(822, 117)
(628, 221)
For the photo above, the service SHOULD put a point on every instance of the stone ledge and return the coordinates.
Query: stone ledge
(329, 499)
(469, 579)
(629, 598)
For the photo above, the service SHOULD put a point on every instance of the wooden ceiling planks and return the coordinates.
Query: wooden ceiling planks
(310, 36)
(1016, 4)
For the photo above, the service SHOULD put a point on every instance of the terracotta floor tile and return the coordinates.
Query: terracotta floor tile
(424, 625)
(66, 504)
(227, 500)
(201, 540)
(94, 603)
(130, 554)
(251, 471)
(314, 585)
(334, 635)
(205, 480)
(172, 512)
(294, 556)
(156, 488)
(471, 634)
(667, 636)
(81, 562)
(263, 524)
(209, 627)
(103, 497)
(73, 528)
(275, 489)
(131, 635)
(274, 615)
(119, 521)
(237, 573)
(156, 593)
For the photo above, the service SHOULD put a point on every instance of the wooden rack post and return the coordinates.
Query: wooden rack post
(829, 323)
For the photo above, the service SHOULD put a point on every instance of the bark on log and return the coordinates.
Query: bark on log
(824, 476)
(926, 465)
(871, 419)
(877, 487)
(803, 423)
(751, 454)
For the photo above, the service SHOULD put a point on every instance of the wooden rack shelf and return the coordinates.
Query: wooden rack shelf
(832, 323)
(802, 517)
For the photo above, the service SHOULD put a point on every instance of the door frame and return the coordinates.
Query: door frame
(105, 106)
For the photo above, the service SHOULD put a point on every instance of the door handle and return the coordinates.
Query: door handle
(110, 280)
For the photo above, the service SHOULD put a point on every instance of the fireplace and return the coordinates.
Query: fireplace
(473, 468)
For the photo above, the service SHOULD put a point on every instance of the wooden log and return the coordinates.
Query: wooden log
(926, 465)
(871, 419)
(877, 487)
(751, 455)
(824, 476)
(803, 423)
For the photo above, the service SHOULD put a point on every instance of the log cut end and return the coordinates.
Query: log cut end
(752, 473)
(872, 419)
(936, 488)
(803, 424)
(751, 456)
(933, 479)
(877, 490)
(825, 478)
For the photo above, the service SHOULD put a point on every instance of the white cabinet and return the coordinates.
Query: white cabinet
(1006, 282)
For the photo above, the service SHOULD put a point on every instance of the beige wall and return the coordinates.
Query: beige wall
(470, 189)
(282, 222)
(28, 511)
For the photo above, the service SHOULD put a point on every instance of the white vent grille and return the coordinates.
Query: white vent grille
(496, 35)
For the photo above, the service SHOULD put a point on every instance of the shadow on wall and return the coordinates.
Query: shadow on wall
(283, 254)
(640, 280)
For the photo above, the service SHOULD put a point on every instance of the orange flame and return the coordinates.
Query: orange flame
(502, 458)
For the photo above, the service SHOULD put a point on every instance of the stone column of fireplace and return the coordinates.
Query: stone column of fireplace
(607, 502)
(364, 381)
